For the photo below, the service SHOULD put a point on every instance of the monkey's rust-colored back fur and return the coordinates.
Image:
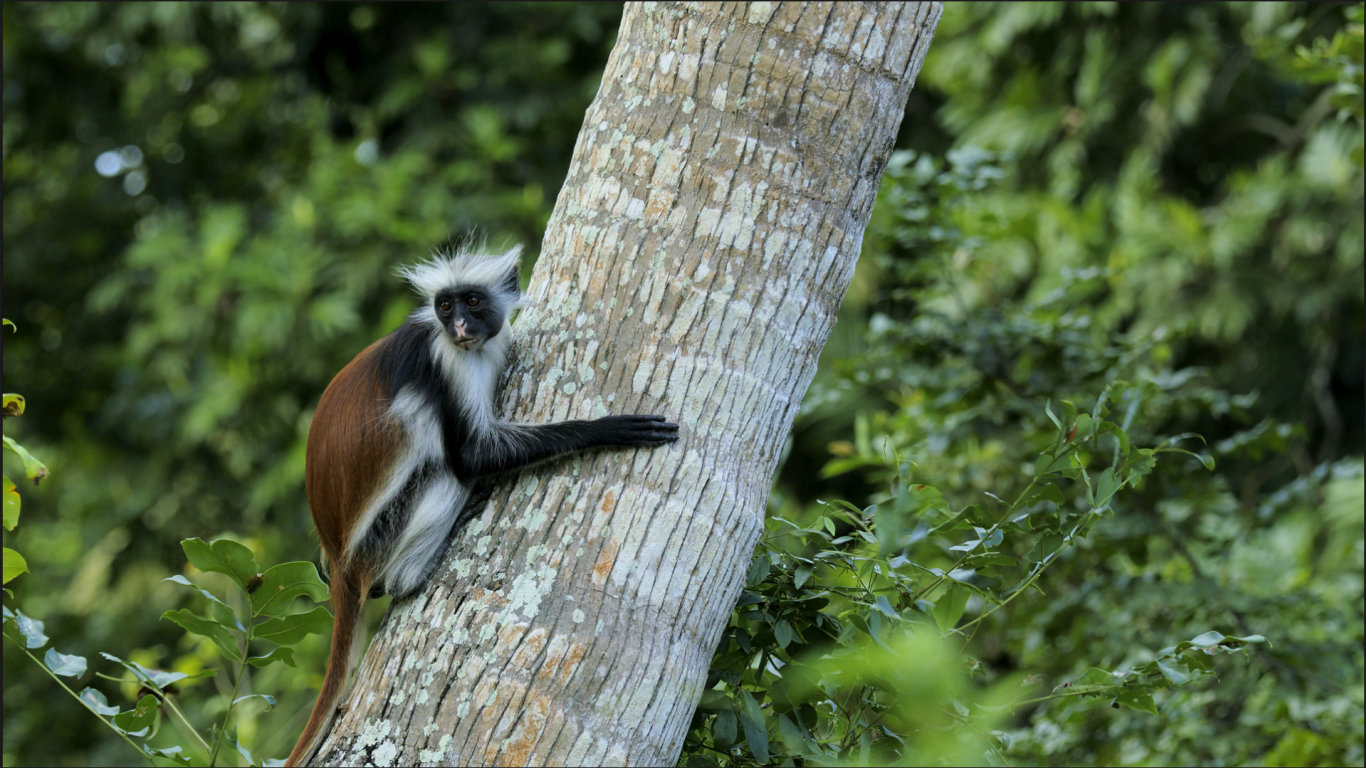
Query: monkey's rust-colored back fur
(350, 444)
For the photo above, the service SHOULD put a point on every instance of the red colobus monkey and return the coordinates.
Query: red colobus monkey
(401, 435)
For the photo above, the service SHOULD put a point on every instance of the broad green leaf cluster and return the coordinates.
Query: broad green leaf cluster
(205, 205)
(178, 240)
(268, 616)
(1127, 245)
(265, 615)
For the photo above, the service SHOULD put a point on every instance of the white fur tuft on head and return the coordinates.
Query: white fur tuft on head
(449, 268)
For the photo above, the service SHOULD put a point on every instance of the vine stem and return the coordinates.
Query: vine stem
(1066, 694)
(85, 704)
(994, 527)
(232, 698)
(193, 731)
(1037, 570)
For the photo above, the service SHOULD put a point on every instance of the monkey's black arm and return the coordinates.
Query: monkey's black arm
(505, 447)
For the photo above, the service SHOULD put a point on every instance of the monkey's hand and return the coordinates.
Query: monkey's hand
(636, 431)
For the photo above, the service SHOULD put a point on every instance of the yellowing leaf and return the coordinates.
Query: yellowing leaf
(11, 505)
(14, 565)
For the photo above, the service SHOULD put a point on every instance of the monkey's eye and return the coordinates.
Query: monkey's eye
(444, 306)
(472, 302)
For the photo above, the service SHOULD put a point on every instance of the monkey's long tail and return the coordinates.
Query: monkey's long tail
(348, 596)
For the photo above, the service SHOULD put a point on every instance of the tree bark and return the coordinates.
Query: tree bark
(693, 267)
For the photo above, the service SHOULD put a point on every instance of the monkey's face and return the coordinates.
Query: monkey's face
(471, 315)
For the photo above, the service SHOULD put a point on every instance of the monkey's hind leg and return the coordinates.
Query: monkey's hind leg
(475, 501)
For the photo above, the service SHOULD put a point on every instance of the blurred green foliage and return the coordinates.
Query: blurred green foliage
(204, 205)
(260, 611)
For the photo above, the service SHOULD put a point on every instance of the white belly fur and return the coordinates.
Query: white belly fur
(433, 510)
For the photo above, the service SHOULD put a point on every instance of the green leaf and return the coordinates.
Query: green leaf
(268, 699)
(801, 574)
(221, 611)
(1122, 437)
(64, 665)
(723, 729)
(1175, 674)
(12, 564)
(1085, 427)
(966, 546)
(842, 505)
(241, 750)
(1207, 639)
(33, 469)
(1202, 458)
(282, 653)
(948, 609)
(752, 720)
(1213, 641)
(758, 569)
(1140, 464)
(1050, 492)
(1048, 411)
(12, 504)
(1048, 464)
(1045, 546)
(223, 556)
(782, 632)
(1137, 698)
(1069, 415)
(288, 630)
(1106, 486)
(171, 753)
(11, 324)
(97, 702)
(282, 583)
(31, 629)
(208, 628)
(142, 719)
(1095, 676)
(1090, 489)
(748, 598)
(1198, 662)
(791, 734)
(1101, 409)
(155, 678)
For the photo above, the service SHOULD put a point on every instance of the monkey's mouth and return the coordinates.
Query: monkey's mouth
(469, 342)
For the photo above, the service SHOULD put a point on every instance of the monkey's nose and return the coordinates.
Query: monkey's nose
(462, 337)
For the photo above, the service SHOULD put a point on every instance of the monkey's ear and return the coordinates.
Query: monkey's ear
(509, 282)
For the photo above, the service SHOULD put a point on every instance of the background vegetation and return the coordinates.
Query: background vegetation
(204, 205)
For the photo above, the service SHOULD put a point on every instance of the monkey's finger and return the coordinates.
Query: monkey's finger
(651, 442)
(642, 418)
(654, 426)
(650, 437)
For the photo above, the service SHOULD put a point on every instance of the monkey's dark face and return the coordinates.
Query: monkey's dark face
(471, 315)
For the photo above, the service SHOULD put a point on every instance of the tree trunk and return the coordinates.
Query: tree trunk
(693, 267)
